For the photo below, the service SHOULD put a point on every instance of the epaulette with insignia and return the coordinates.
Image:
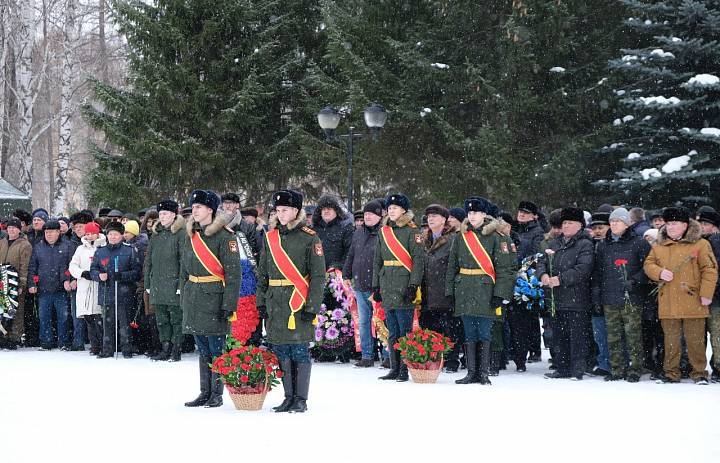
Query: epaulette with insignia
(309, 231)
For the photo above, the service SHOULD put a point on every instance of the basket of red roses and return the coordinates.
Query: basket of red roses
(248, 373)
(422, 351)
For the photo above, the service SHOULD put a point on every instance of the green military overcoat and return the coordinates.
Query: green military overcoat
(162, 263)
(473, 293)
(203, 304)
(394, 280)
(304, 248)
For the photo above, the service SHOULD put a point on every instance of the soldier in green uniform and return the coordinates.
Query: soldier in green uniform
(480, 277)
(397, 273)
(210, 279)
(291, 281)
(162, 278)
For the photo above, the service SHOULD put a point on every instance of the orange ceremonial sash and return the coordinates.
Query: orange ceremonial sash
(207, 258)
(396, 248)
(290, 272)
(478, 252)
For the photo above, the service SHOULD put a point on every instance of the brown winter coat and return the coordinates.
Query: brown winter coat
(17, 255)
(695, 273)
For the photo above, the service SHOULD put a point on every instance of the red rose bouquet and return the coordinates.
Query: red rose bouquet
(423, 349)
(247, 369)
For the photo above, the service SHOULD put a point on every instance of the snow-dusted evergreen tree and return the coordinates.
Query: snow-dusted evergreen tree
(668, 142)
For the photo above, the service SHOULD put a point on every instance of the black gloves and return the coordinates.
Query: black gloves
(307, 316)
(376, 296)
(496, 302)
(262, 311)
(597, 310)
(86, 275)
(224, 315)
(410, 293)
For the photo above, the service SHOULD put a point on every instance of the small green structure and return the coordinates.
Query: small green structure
(12, 198)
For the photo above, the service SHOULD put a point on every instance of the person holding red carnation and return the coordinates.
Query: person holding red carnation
(619, 287)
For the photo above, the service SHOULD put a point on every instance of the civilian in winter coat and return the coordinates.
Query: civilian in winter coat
(86, 299)
(525, 324)
(234, 221)
(15, 250)
(36, 234)
(143, 336)
(358, 272)
(335, 230)
(710, 221)
(618, 285)
(478, 295)
(48, 277)
(117, 268)
(394, 284)
(162, 278)
(208, 299)
(566, 270)
(600, 226)
(638, 223)
(685, 267)
(437, 308)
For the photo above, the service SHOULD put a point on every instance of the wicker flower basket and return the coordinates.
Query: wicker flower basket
(248, 398)
(426, 372)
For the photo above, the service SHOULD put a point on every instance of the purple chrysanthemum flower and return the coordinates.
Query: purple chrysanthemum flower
(332, 333)
(338, 314)
(321, 319)
(319, 335)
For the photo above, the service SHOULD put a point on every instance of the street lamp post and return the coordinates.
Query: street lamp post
(328, 118)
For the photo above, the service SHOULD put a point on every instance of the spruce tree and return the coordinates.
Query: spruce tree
(668, 88)
(212, 101)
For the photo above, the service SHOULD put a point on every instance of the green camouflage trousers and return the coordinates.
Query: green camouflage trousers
(714, 328)
(624, 320)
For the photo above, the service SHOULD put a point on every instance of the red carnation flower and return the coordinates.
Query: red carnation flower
(36, 279)
(235, 360)
(245, 366)
(247, 358)
(620, 262)
(244, 378)
(134, 325)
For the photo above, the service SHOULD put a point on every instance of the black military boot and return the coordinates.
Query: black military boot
(394, 365)
(216, 391)
(473, 375)
(204, 384)
(484, 356)
(495, 359)
(402, 372)
(302, 387)
(175, 353)
(288, 382)
(164, 353)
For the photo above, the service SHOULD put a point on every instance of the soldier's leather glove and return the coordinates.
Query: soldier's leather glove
(224, 315)
(410, 293)
(262, 311)
(307, 316)
(497, 302)
(86, 275)
(597, 310)
(376, 296)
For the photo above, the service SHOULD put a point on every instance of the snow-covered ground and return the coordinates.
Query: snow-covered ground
(70, 407)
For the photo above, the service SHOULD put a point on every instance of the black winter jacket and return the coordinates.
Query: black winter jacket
(336, 238)
(573, 263)
(607, 281)
(359, 262)
(531, 235)
(437, 254)
(127, 274)
(50, 264)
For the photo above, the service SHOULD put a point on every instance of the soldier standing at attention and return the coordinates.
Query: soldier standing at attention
(290, 286)
(397, 274)
(210, 279)
(480, 277)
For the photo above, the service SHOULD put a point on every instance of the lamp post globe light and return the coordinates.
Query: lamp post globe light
(329, 118)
